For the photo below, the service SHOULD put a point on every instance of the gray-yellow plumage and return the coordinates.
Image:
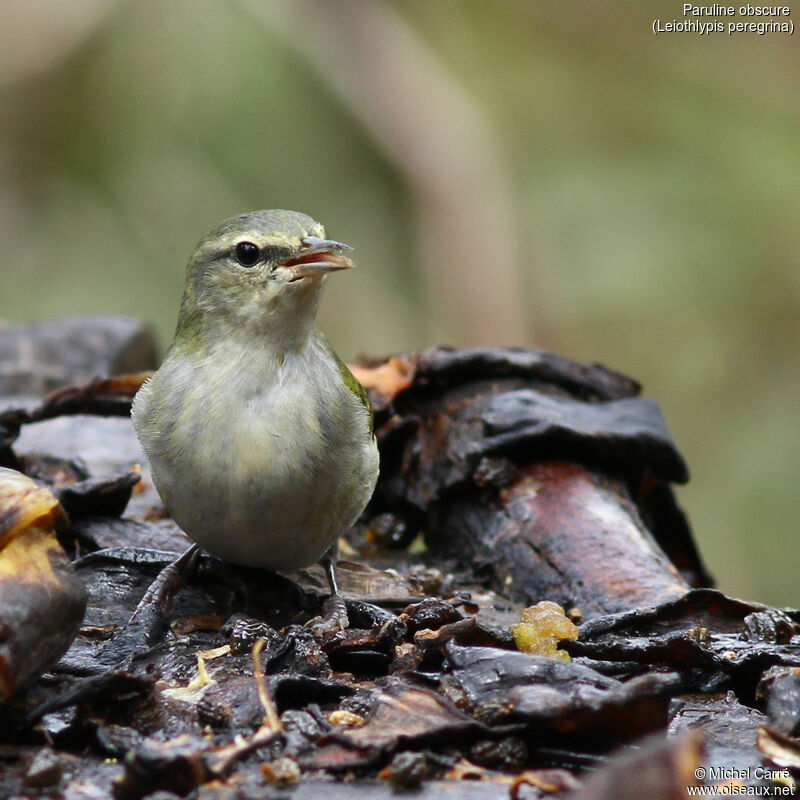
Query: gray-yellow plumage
(259, 439)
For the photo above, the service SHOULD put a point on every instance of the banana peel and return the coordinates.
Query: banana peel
(42, 601)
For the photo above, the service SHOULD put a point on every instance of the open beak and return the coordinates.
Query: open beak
(317, 257)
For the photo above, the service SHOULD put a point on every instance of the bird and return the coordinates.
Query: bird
(259, 439)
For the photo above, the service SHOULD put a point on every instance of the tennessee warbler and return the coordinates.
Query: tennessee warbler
(259, 438)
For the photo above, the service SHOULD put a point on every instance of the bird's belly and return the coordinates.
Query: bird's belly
(270, 531)
(258, 495)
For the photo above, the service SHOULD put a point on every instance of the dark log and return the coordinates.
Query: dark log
(566, 533)
(547, 478)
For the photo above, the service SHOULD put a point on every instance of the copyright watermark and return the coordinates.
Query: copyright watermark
(735, 782)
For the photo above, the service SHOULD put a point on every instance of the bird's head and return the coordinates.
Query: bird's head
(259, 273)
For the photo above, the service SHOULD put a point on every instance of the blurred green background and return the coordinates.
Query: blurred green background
(510, 171)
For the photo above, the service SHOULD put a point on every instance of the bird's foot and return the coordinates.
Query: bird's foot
(168, 582)
(334, 610)
(333, 619)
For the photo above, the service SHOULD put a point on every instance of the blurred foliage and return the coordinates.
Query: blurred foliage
(543, 173)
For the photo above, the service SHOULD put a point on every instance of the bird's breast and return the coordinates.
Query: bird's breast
(262, 464)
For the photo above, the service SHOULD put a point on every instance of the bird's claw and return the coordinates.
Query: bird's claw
(168, 582)
(333, 619)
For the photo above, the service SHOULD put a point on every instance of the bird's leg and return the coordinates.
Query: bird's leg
(169, 581)
(334, 611)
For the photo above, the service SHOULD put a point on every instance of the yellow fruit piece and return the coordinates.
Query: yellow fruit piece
(542, 627)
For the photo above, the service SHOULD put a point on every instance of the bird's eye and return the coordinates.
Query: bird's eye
(247, 254)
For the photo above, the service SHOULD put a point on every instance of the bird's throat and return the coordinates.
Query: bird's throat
(282, 322)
